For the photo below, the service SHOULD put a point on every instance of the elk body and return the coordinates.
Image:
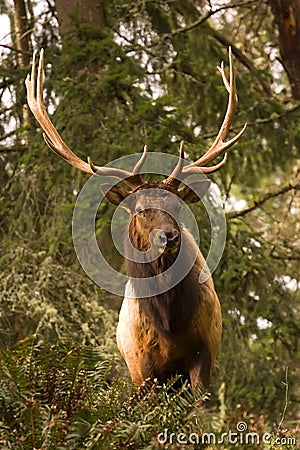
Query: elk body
(179, 330)
(161, 332)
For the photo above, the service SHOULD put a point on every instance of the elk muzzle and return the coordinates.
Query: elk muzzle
(165, 239)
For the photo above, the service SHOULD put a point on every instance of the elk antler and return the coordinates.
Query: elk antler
(34, 87)
(219, 145)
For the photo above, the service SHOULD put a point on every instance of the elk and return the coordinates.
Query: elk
(176, 331)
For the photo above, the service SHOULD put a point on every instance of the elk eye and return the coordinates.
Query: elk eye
(139, 211)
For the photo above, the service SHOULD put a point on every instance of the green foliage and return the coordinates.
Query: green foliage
(150, 77)
(30, 303)
(43, 388)
(60, 396)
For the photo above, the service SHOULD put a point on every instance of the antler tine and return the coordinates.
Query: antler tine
(195, 169)
(141, 160)
(174, 179)
(133, 179)
(129, 178)
(34, 87)
(219, 145)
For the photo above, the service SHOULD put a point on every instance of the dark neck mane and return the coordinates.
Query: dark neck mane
(170, 311)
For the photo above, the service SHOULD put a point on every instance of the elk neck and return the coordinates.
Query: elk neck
(171, 311)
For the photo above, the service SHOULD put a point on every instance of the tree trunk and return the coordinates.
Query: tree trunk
(21, 28)
(90, 11)
(287, 18)
(23, 56)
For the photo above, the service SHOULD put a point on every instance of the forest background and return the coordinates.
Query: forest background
(119, 75)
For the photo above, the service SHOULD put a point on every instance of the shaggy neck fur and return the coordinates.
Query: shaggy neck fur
(171, 311)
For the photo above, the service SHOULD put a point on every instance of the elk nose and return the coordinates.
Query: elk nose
(165, 239)
(162, 238)
(173, 238)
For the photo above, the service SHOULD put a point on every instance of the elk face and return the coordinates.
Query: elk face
(154, 222)
(154, 226)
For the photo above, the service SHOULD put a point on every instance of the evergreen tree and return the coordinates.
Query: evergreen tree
(145, 72)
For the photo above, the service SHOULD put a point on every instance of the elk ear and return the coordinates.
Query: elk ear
(114, 194)
(194, 192)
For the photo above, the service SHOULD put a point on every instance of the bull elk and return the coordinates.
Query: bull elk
(177, 331)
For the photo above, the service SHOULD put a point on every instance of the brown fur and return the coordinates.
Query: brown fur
(178, 331)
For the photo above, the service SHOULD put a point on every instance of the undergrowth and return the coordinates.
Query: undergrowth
(64, 396)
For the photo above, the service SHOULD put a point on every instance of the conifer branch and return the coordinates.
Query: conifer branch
(201, 20)
(262, 200)
(286, 384)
